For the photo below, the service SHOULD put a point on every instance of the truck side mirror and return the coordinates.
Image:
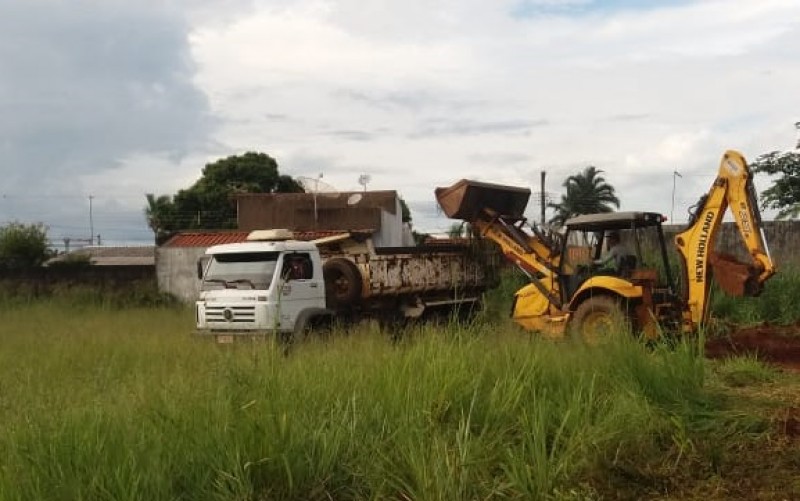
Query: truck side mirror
(201, 266)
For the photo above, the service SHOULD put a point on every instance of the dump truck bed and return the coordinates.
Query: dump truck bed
(423, 269)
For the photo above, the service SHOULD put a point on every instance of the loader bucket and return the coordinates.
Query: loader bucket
(467, 199)
(734, 277)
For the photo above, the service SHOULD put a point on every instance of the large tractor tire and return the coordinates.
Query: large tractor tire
(597, 319)
(342, 283)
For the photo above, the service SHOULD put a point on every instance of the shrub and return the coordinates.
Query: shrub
(23, 245)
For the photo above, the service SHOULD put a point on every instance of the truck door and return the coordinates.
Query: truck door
(299, 288)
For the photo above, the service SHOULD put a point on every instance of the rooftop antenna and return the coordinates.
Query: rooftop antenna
(317, 187)
(364, 179)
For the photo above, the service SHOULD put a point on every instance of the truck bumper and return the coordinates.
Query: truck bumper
(234, 336)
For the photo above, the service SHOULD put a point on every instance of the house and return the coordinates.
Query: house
(380, 211)
(377, 214)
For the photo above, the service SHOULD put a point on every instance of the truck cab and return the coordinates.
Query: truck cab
(259, 287)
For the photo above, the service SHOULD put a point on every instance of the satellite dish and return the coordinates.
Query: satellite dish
(318, 188)
(354, 199)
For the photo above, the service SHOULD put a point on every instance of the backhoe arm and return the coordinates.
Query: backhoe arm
(733, 188)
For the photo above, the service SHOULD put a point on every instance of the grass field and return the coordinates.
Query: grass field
(99, 402)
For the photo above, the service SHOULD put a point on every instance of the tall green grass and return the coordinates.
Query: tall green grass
(777, 303)
(100, 403)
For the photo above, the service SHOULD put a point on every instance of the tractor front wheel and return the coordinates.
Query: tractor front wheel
(597, 318)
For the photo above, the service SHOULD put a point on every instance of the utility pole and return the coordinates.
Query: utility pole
(675, 175)
(91, 222)
(543, 196)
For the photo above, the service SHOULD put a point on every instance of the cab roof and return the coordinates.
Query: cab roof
(614, 221)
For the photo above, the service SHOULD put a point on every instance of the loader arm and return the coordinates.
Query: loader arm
(495, 213)
(733, 188)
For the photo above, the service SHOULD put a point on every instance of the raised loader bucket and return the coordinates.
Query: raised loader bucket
(466, 200)
(734, 277)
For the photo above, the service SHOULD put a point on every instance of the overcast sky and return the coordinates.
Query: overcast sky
(115, 99)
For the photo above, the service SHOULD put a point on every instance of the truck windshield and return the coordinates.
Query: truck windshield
(241, 270)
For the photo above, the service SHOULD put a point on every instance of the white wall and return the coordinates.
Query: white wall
(392, 230)
(176, 271)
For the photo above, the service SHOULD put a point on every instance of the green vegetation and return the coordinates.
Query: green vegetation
(103, 400)
(106, 403)
(23, 245)
(784, 194)
(777, 304)
(587, 193)
(210, 202)
(144, 293)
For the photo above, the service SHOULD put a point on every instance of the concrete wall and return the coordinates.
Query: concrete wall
(391, 233)
(45, 279)
(296, 211)
(176, 271)
(783, 240)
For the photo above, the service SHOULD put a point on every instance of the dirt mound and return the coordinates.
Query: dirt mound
(772, 343)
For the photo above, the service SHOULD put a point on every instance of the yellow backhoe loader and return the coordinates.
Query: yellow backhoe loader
(574, 288)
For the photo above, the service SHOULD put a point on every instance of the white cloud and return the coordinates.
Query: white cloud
(422, 93)
(416, 91)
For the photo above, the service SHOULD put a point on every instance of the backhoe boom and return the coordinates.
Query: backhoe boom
(733, 188)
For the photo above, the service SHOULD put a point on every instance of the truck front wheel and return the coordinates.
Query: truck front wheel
(342, 282)
(597, 318)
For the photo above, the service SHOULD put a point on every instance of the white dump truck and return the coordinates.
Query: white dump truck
(273, 284)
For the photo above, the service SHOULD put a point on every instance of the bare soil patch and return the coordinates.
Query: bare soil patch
(776, 344)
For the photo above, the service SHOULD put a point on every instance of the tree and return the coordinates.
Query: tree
(405, 211)
(23, 245)
(587, 193)
(160, 214)
(210, 202)
(456, 230)
(784, 194)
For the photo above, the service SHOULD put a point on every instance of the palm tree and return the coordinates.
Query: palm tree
(587, 193)
(160, 216)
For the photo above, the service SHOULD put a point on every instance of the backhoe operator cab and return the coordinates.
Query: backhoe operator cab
(632, 285)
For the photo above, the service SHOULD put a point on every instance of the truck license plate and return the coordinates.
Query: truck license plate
(224, 339)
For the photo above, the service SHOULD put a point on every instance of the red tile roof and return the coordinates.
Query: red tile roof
(209, 238)
(205, 239)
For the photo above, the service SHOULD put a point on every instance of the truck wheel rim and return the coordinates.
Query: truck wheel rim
(597, 326)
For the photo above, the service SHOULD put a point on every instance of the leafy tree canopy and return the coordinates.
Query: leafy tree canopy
(587, 193)
(456, 230)
(784, 194)
(406, 212)
(209, 203)
(23, 245)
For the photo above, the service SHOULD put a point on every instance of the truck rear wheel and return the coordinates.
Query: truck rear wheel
(597, 318)
(342, 282)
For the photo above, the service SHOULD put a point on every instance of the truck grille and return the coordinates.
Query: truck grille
(231, 314)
